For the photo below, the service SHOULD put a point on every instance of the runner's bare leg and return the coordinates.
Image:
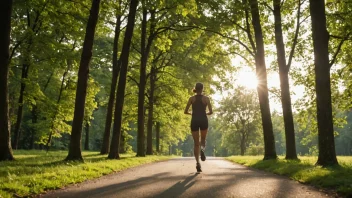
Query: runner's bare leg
(196, 149)
(203, 134)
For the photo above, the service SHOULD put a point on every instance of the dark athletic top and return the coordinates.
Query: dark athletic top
(199, 108)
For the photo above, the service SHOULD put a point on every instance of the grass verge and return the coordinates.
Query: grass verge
(337, 178)
(34, 172)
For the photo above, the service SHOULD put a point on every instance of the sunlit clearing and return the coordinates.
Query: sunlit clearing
(247, 79)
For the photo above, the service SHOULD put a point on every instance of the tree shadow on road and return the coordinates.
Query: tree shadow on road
(226, 180)
(180, 187)
(229, 178)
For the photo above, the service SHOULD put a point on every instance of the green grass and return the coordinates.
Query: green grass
(337, 178)
(34, 172)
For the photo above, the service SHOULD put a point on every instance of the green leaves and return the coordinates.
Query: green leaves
(240, 118)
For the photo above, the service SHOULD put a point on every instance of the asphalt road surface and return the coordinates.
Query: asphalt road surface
(178, 178)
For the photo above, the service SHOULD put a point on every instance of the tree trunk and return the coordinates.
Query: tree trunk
(243, 143)
(5, 136)
(141, 90)
(17, 131)
(33, 128)
(35, 26)
(157, 138)
(150, 130)
(288, 117)
(48, 142)
(86, 142)
(120, 93)
(326, 143)
(48, 81)
(74, 152)
(262, 88)
(161, 147)
(284, 85)
(24, 75)
(115, 73)
(145, 49)
(150, 112)
(243, 137)
(123, 142)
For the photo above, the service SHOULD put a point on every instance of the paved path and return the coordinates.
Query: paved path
(177, 178)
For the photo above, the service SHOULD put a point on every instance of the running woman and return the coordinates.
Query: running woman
(199, 121)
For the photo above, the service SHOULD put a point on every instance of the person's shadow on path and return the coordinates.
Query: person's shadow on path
(180, 187)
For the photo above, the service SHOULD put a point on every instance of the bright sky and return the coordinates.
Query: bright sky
(246, 77)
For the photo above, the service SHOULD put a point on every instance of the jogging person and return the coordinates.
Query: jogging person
(199, 121)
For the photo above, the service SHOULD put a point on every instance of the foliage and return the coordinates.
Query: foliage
(240, 118)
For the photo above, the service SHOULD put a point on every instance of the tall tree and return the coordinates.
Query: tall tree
(241, 111)
(74, 152)
(284, 80)
(151, 111)
(52, 127)
(5, 23)
(262, 87)
(145, 49)
(326, 142)
(120, 93)
(115, 73)
(157, 137)
(151, 98)
(34, 24)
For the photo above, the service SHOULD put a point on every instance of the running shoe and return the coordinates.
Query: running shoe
(202, 155)
(199, 168)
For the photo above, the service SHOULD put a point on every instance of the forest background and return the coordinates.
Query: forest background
(175, 44)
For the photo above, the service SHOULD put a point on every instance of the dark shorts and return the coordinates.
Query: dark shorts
(197, 124)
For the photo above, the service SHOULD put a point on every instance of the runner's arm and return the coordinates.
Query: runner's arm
(210, 108)
(188, 105)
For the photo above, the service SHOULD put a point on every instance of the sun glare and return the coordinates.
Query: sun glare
(247, 79)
